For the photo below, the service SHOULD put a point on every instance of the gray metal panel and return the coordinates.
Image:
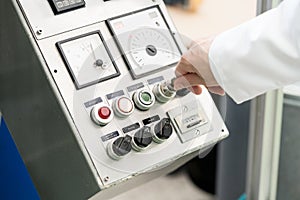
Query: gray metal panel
(232, 153)
(43, 136)
(289, 163)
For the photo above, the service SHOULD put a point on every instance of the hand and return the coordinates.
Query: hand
(194, 70)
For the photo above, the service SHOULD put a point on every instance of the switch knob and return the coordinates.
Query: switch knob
(120, 147)
(144, 99)
(142, 139)
(102, 114)
(162, 130)
(182, 92)
(164, 91)
(123, 106)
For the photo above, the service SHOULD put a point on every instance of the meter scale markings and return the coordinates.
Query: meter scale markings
(149, 47)
(87, 59)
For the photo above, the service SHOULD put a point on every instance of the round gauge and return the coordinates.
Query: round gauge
(150, 49)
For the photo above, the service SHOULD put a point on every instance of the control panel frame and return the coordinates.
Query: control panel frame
(75, 100)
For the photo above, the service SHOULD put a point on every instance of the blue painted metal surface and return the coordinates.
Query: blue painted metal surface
(15, 182)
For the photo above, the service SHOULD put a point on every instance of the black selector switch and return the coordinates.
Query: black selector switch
(162, 130)
(182, 92)
(120, 147)
(142, 139)
(61, 6)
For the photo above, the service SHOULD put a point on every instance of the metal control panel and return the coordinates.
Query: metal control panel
(108, 64)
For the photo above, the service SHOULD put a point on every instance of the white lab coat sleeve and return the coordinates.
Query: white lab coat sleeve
(259, 55)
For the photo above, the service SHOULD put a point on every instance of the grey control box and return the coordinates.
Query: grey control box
(84, 98)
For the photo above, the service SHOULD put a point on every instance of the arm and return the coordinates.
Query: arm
(259, 55)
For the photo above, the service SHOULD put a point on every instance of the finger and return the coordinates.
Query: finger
(182, 67)
(196, 89)
(216, 90)
(188, 80)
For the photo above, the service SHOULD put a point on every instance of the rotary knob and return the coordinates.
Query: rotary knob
(102, 114)
(144, 99)
(164, 91)
(162, 130)
(142, 139)
(123, 106)
(119, 148)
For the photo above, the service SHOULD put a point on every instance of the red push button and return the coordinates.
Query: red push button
(104, 112)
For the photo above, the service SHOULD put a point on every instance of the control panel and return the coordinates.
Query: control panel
(111, 65)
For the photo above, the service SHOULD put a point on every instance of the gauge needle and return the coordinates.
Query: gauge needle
(94, 55)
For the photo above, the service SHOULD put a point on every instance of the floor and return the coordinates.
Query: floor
(174, 187)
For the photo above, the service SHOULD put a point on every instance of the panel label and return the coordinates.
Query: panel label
(93, 102)
(151, 120)
(131, 127)
(155, 80)
(135, 87)
(110, 136)
(115, 94)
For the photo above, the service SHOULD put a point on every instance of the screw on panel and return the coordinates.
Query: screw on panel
(185, 109)
(39, 32)
(106, 179)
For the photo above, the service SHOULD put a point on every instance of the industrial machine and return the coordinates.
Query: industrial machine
(86, 91)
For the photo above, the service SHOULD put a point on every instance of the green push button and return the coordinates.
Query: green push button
(146, 97)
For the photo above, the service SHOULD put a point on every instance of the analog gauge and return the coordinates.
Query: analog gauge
(88, 59)
(150, 49)
(145, 41)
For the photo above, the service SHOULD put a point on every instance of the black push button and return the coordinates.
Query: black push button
(60, 6)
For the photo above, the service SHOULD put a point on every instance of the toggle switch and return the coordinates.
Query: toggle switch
(144, 99)
(119, 148)
(142, 139)
(164, 91)
(123, 106)
(102, 114)
(162, 130)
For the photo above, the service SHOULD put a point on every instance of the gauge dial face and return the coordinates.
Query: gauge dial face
(150, 49)
(146, 41)
(88, 59)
